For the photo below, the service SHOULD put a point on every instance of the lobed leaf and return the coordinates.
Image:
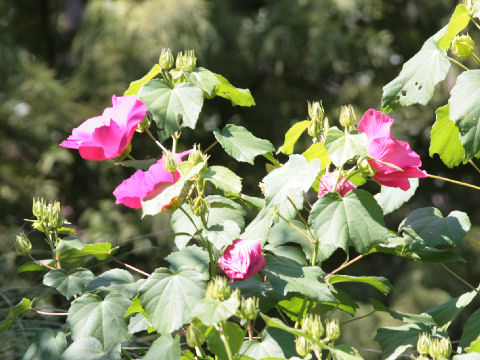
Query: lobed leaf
(343, 146)
(46, 346)
(68, 284)
(392, 198)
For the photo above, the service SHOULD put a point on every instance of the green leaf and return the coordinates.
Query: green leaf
(222, 235)
(68, 284)
(14, 312)
(260, 226)
(343, 146)
(282, 233)
(263, 290)
(392, 198)
(89, 348)
(211, 312)
(89, 315)
(164, 348)
(416, 82)
(426, 227)
(471, 329)
(172, 108)
(241, 144)
(115, 280)
(192, 257)
(46, 346)
(469, 356)
(318, 151)
(292, 252)
(354, 220)
(445, 139)
(34, 266)
(203, 78)
(422, 319)
(233, 335)
(465, 110)
(400, 337)
(259, 350)
(459, 21)
(345, 352)
(290, 181)
(378, 282)
(138, 323)
(292, 135)
(237, 96)
(474, 347)
(444, 314)
(136, 85)
(73, 251)
(169, 298)
(223, 178)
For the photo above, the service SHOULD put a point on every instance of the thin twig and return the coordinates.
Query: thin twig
(343, 266)
(210, 147)
(130, 266)
(39, 263)
(159, 144)
(453, 181)
(49, 313)
(458, 63)
(474, 165)
(296, 228)
(458, 277)
(358, 318)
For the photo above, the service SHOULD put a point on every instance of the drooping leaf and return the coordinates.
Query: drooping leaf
(233, 336)
(223, 178)
(292, 135)
(136, 85)
(164, 348)
(237, 96)
(89, 315)
(396, 340)
(282, 233)
(68, 284)
(289, 183)
(380, 283)
(115, 280)
(14, 312)
(211, 312)
(426, 227)
(260, 226)
(265, 348)
(46, 346)
(241, 144)
(471, 330)
(192, 257)
(444, 314)
(203, 78)
(459, 21)
(354, 220)
(392, 198)
(465, 110)
(169, 298)
(89, 348)
(343, 146)
(73, 251)
(424, 319)
(172, 108)
(318, 151)
(263, 290)
(416, 82)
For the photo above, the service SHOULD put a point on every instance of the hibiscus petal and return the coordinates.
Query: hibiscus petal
(375, 124)
(400, 178)
(394, 152)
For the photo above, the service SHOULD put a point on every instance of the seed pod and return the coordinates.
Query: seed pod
(22, 244)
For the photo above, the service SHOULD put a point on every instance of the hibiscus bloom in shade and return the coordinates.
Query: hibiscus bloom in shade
(242, 259)
(106, 136)
(383, 147)
(328, 182)
(145, 185)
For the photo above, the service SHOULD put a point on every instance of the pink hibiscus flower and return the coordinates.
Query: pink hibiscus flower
(328, 182)
(242, 259)
(145, 185)
(383, 147)
(106, 136)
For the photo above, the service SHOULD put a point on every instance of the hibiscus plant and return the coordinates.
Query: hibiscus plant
(257, 289)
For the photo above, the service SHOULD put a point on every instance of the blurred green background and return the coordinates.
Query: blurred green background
(61, 61)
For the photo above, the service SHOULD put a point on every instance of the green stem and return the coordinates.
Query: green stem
(39, 263)
(300, 313)
(126, 354)
(129, 266)
(175, 138)
(213, 269)
(210, 147)
(301, 218)
(458, 63)
(130, 157)
(475, 57)
(159, 144)
(474, 165)
(225, 342)
(347, 264)
(315, 254)
(453, 181)
(458, 277)
(292, 225)
(360, 317)
(476, 24)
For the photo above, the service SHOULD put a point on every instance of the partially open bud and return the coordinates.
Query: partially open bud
(186, 61)
(200, 206)
(196, 156)
(166, 60)
(316, 114)
(302, 346)
(312, 324)
(423, 344)
(144, 125)
(38, 206)
(332, 328)
(249, 308)
(463, 46)
(22, 244)
(365, 168)
(444, 348)
(218, 289)
(347, 117)
(55, 218)
(195, 336)
(170, 164)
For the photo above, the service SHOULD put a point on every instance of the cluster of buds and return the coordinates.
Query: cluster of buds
(312, 324)
(218, 289)
(463, 46)
(48, 214)
(318, 126)
(186, 61)
(433, 348)
(347, 117)
(249, 308)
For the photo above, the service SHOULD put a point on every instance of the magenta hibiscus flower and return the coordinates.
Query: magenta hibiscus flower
(383, 147)
(242, 259)
(145, 185)
(328, 182)
(106, 136)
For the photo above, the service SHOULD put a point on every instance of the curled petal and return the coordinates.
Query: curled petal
(242, 259)
(375, 124)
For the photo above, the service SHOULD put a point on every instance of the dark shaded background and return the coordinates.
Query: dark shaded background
(61, 61)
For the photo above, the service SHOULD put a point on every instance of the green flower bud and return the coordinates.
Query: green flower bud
(312, 324)
(469, 4)
(332, 328)
(463, 46)
(195, 336)
(365, 168)
(55, 218)
(444, 347)
(170, 164)
(166, 60)
(22, 244)
(144, 125)
(316, 114)
(37, 208)
(347, 117)
(218, 289)
(186, 61)
(249, 308)
(200, 206)
(302, 346)
(423, 344)
(196, 156)
(433, 349)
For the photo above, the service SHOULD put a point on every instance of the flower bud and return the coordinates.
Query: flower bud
(196, 156)
(469, 4)
(365, 168)
(170, 164)
(316, 114)
(37, 208)
(200, 206)
(186, 61)
(54, 213)
(22, 244)
(302, 346)
(312, 324)
(444, 347)
(423, 344)
(463, 46)
(249, 308)
(144, 125)
(166, 60)
(195, 336)
(218, 289)
(332, 328)
(347, 117)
